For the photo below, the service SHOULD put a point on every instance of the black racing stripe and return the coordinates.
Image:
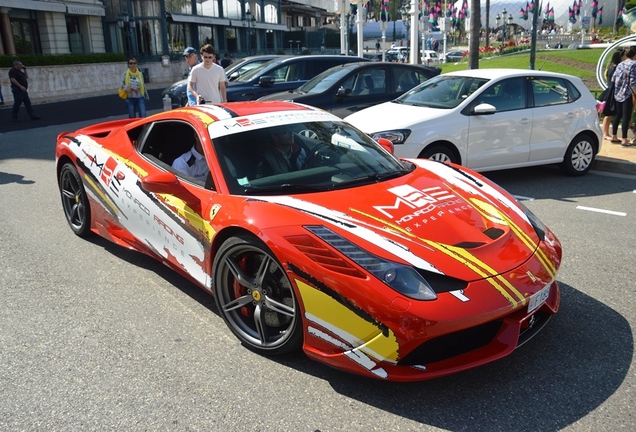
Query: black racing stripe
(227, 110)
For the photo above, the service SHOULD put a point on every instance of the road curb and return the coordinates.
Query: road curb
(609, 164)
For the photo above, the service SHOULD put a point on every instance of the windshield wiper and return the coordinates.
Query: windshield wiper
(373, 178)
(282, 188)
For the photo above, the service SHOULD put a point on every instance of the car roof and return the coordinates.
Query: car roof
(316, 56)
(359, 64)
(504, 73)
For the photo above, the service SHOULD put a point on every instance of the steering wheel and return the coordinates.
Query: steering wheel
(319, 156)
(308, 133)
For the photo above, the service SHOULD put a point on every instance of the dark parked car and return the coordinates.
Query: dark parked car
(455, 56)
(348, 88)
(282, 74)
(177, 90)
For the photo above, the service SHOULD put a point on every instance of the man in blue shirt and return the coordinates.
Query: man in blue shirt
(191, 57)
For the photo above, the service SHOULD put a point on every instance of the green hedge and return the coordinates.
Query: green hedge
(62, 59)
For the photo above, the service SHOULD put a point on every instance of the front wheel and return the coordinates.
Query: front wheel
(579, 156)
(74, 200)
(255, 297)
(439, 153)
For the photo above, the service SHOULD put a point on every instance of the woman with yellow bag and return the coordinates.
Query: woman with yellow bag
(135, 90)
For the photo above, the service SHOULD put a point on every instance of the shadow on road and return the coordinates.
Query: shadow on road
(70, 111)
(568, 370)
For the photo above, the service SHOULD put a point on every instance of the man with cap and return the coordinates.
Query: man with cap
(19, 87)
(192, 59)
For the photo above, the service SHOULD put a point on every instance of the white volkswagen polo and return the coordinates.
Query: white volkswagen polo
(490, 119)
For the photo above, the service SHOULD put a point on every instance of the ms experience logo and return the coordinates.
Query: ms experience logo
(413, 207)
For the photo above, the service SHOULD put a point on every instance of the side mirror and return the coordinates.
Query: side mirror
(484, 109)
(343, 92)
(266, 81)
(165, 182)
(386, 144)
(234, 75)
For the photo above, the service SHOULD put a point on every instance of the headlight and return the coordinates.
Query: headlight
(538, 226)
(398, 136)
(402, 278)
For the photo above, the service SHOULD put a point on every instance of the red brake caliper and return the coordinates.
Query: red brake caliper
(240, 290)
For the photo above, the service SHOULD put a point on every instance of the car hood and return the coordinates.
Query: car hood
(439, 218)
(392, 115)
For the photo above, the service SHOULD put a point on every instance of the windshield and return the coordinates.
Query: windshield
(323, 81)
(443, 91)
(249, 75)
(304, 157)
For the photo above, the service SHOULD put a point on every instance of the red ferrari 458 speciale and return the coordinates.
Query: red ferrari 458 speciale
(311, 235)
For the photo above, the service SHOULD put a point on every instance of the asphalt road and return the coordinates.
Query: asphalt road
(96, 337)
(75, 110)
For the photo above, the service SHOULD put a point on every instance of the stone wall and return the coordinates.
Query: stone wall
(54, 83)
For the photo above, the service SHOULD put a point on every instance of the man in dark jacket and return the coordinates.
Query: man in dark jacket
(19, 87)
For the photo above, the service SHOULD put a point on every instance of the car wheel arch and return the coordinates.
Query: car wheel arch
(227, 296)
(63, 160)
(578, 145)
(447, 145)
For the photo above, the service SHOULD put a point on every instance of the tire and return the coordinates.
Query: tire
(75, 202)
(579, 156)
(256, 298)
(439, 153)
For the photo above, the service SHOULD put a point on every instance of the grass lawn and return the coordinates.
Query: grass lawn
(580, 63)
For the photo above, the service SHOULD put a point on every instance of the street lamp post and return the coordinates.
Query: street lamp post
(128, 28)
(409, 15)
(510, 31)
(503, 22)
(406, 20)
(249, 22)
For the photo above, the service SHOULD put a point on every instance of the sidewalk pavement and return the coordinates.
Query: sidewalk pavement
(617, 159)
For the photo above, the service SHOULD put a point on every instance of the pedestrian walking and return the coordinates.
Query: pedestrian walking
(133, 84)
(20, 88)
(207, 80)
(192, 59)
(609, 106)
(624, 80)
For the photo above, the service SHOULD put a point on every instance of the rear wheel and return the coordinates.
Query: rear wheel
(255, 297)
(75, 201)
(579, 156)
(439, 153)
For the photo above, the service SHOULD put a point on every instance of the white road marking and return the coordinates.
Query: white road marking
(592, 209)
(523, 198)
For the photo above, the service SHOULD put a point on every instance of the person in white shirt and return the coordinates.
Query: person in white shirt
(192, 162)
(207, 80)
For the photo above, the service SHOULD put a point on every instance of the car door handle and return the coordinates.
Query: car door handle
(524, 121)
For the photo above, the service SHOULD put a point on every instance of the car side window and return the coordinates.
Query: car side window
(506, 95)
(320, 65)
(369, 82)
(550, 91)
(405, 79)
(280, 74)
(296, 72)
(165, 141)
